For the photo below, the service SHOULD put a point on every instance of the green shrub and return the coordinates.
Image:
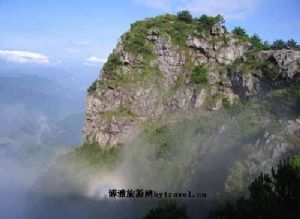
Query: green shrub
(93, 87)
(179, 33)
(271, 71)
(296, 161)
(167, 25)
(185, 16)
(137, 44)
(240, 33)
(206, 22)
(278, 44)
(161, 140)
(292, 44)
(167, 211)
(226, 102)
(95, 156)
(266, 45)
(120, 112)
(251, 65)
(256, 41)
(237, 180)
(136, 41)
(271, 196)
(178, 27)
(113, 61)
(199, 75)
(286, 100)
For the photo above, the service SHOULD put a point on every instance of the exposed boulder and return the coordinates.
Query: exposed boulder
(221, 52)
(200, 98)
(217, 29)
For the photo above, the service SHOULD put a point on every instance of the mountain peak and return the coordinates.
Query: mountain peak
(174, 63)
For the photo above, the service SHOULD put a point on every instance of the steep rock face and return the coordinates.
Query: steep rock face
(162, 83)
(253, 83)
(267, 151)
(222, 52)
(287, 61)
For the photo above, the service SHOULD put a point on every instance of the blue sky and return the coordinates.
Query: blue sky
(62, 32)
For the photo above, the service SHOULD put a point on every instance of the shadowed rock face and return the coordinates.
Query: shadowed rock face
(287, 60)
(115, 110)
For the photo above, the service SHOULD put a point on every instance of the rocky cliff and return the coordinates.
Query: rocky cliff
(164, 65)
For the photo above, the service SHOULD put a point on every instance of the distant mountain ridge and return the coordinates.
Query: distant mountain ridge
(40, 94)
(38, 115)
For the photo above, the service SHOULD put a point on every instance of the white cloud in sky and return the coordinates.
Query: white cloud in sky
(24, 57)
(230, 9)
(93, 60)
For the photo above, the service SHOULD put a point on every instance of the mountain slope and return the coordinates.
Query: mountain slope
(164, 65)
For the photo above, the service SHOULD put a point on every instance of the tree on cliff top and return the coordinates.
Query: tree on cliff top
(240, 33)
(206, 22)
(185, 16)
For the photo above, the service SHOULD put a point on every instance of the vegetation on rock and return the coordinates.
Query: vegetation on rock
(168, 210)
(200, 75)
(251, 65)
(94, 156)
(178, 27)
(240, 33)
(271, 196)
(206, 22)
(286, 101)
(185, 16)
(121, 112)
(93, 87)
(270, 70)
(280, 44)
(112, 63)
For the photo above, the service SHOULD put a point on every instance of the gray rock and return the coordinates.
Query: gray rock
(200, 98)
(246, 85)
(287, 61)
(217, 105)
(217, 29)
(222, 53)
(183, 98)
(292, 126)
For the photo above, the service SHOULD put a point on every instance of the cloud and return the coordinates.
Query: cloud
(230, 9)
(93, 60)
(24, 57)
